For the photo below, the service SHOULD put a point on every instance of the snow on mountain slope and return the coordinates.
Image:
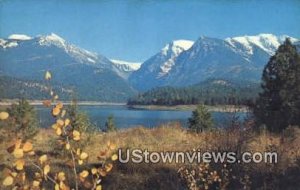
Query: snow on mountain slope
(91, 75)
(159, 65)
(241, 57)
(171, 51)
(125, 65)
(19, 37)
(124, 69)
(268, 42)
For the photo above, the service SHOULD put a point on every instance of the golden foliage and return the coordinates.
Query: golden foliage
(8, 181)
(4, 115)
(69, 138)
(43, 158)
(18, 153)
(27, 147)
(19, 164)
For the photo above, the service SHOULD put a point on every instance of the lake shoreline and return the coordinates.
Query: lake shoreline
(80, 103)
(217, 108)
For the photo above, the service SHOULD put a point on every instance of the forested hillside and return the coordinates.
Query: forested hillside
(210, 92)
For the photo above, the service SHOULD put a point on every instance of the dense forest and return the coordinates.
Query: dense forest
(14, 88)
(209, 92)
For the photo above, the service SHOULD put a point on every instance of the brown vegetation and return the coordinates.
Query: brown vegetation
(284, 174)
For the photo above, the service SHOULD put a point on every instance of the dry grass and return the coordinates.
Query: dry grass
(174, 138)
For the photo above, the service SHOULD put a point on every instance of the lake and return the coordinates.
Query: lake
(126, 118)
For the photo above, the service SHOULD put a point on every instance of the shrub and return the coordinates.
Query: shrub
(23, 119)
(110, 124)
(201, 119)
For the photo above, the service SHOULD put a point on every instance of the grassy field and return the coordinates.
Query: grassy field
(283, 175)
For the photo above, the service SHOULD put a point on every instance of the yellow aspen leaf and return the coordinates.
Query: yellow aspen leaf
(63, 113)
(48, 75)
(108, 167)
(14, 174)
(84, 156)
(18, 144)
(99, 187)
(94, 171)
(56, 187)
(68, 146)
(20, 164)
(114, 157)
(112, 146)
(84, 174)
(43, 158)
(54, 126)
(3, 115)
(35, 183)
(102, 172)
(60, 122)
(78, 151)
(80, 162)
(27, 147)
(58, 131)
(63, 186)
(76, 135)
(67, 122)
(46, 169)
(8, 181)
(18, 153)
(47, 103)
(59, 105)
(55, 111)
(61, 176)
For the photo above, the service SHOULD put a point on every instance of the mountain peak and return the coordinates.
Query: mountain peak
(177, 46)
(267, 42)
(52, 39)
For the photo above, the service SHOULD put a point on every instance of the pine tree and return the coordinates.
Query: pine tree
(278, 106)
(201, 119)
(109, 124)
(24, 120)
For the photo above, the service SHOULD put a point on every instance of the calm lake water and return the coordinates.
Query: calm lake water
(126, 118)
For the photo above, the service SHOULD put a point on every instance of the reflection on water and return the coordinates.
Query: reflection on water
(125, 118)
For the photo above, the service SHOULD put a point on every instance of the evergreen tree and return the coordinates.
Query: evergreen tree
(24, 122)
(110, 124)
(80, 120)
(278, 106)
(201, 119)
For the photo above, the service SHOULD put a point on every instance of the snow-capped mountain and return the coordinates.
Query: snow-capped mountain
(231, 58)
(91, 75)
(125, 68)
(267, 42)
(158, 66)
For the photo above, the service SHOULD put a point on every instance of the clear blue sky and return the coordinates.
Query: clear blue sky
(133, 30)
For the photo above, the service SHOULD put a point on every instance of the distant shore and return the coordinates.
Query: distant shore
(217, 108)
(81, 103)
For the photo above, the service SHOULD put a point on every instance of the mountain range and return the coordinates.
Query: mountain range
(92, 76)
(183, 63)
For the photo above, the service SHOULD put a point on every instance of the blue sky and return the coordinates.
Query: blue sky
(134, 30)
